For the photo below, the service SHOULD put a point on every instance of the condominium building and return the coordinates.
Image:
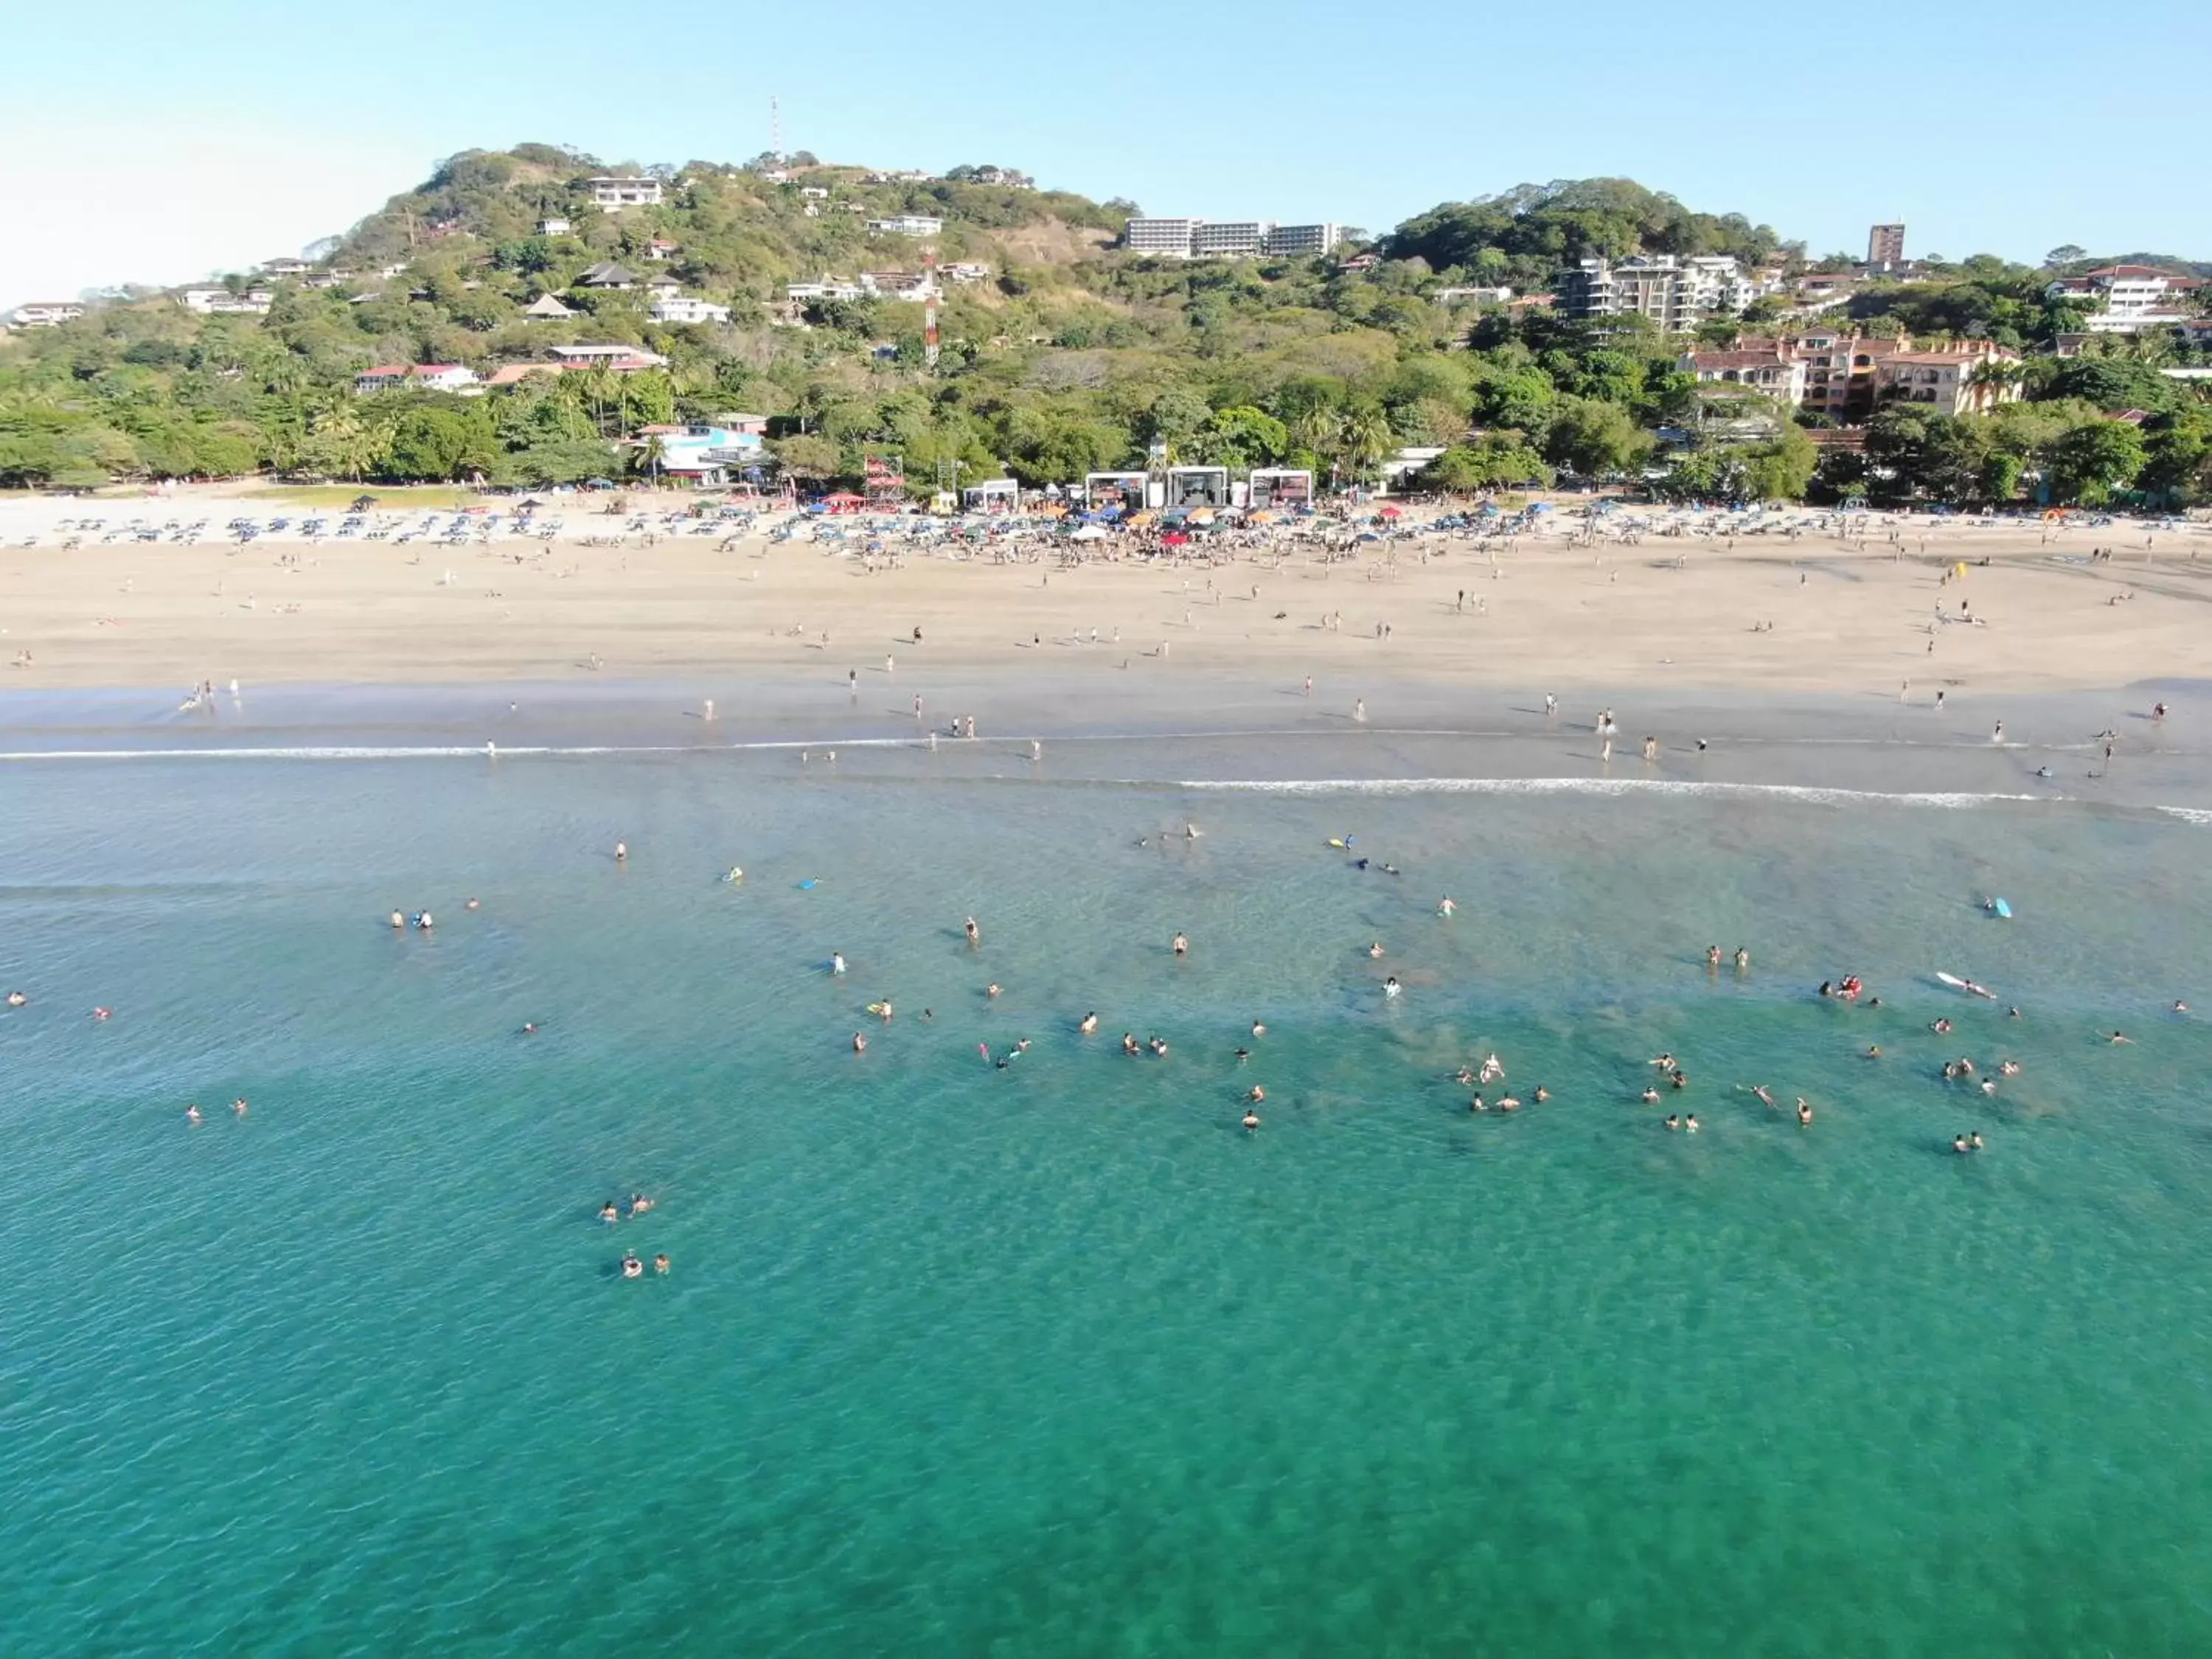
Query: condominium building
(1163, 239)
(1885, 246)
(1229, 239)
(1301, 241)
(1954, 382)
(1676, 292)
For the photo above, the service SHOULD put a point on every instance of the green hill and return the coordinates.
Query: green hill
(1060, 354)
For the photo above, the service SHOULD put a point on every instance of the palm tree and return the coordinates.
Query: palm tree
(650, 456)
(1988, 380)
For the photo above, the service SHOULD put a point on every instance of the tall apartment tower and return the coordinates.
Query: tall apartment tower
(1886, 246)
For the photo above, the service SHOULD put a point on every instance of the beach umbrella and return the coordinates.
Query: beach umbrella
(1089, 532)
(1393, 512)
(1174, 539)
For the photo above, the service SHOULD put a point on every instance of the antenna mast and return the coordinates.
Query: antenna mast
(929, 306)
(775, 128)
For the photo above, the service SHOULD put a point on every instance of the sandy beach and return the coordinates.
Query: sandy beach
(1815, 613)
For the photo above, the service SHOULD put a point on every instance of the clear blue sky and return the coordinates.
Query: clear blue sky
(157, 142)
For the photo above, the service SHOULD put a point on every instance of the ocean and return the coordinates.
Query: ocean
(1054, 1358)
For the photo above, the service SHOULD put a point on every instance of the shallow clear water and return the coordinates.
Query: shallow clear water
(1054, 1358)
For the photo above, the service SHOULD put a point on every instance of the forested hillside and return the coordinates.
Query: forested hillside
(1063, 355)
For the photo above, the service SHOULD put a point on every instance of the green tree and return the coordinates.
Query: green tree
(1240, 439)
(2094, 460)
(428, 443)
(1593, 438)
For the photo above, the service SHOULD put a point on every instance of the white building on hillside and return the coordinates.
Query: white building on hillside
(1161, 238)
(2127, 298)
(908, 224)
(613, 194)
(220, 301)
(688, 308)
(44, 313)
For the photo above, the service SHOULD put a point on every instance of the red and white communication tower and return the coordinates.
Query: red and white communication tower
(929, 306)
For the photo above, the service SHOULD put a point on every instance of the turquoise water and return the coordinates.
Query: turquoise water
(1056, 1359)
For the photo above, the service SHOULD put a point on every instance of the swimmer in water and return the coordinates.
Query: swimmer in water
(2009, 1067)
(1181, 946)
(1374, 951)
(992, 989)
(1678, 1080)
(530, 1028)
(859, 1044)
(191, 1114)
(975, 934)
(1988, 1085)
(1690, 1123)
(1941, 1027)
(1874, 1051)
(632, 1267)
(1650, 1097)
(473, 904)
(1508, 1103)
(1445, 906)
(622, 852)
(1673, 1122)
(1251, 1121)
(398, 922)
(1742, 959)
(1090, 1024)
(1391, 987)
(1761, 1091)
(1664, 1063)
(2012, 1013)
(1804, 1114)
(1478, 1104)
(883, 1012)
(660, 1263)
(2116, 1038)
(1542, 1093)
(1958, 1144)
(1494, 1069)
(238, 1107)
(1974, 1141)
(1259, 1029)
(836, 962)
(1713, 956)
(737, 874)
(2180, 1006)
(1159, 1047)
(609, 1213)
(1256, 1095)
(16, 999)
(1128, 1043)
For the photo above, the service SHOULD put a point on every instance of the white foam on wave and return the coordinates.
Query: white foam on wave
(448, 751)
(2187, 814)
(1950, 799)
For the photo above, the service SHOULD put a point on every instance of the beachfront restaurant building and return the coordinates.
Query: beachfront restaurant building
(1197, 486)
(1125, 490)
(1280, 487)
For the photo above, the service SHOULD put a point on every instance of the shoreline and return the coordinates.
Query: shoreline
(1204, 733)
